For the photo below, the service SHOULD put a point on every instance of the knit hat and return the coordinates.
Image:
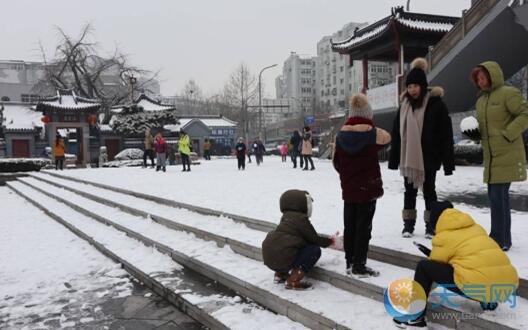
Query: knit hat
(359, 107)
(417, 74)
(436, 210)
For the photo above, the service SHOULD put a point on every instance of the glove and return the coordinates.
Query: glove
(448, 172)
(337, 242)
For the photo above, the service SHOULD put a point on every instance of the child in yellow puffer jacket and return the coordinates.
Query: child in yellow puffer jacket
(463, 256)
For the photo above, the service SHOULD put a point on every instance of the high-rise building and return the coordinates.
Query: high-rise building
(297, 83)
(336, 79)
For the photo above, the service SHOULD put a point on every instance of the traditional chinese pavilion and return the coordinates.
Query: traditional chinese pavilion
(399, 37)
(71, 115)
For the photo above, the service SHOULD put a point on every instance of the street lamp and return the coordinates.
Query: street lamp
(260, 97)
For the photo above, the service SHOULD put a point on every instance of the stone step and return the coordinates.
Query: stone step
(205, 300)
(379, 253)
(372, 288)
(315, 308)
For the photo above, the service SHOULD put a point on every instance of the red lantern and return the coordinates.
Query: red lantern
(92, 119)
(45, 119)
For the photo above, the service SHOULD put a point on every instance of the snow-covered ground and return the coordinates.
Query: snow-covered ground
(255, 192)
(48, 276)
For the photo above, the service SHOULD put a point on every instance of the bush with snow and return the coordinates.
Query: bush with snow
(128, 154)
(11, 165)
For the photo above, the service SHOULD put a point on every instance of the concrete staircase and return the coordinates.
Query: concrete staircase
(172, 228)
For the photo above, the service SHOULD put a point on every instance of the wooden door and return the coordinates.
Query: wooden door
(20, 148)
(112, 148)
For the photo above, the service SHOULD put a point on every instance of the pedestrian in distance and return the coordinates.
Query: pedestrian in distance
(355, 158)
(248, 151)
(149, 148)
(293, 247)
(296, 142)
(307, 148)
(463, 260)
(184, 148)
(207, 149)
(240, 149)
(502, 115)
(284, 152)
(422, 141)
(160, 146)
(59, 152)
(259, 149)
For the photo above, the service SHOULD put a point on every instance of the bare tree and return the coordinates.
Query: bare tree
(239, 91)
(77, 65)
(193, 96)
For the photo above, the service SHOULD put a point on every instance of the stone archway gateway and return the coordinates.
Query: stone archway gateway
(66, 110)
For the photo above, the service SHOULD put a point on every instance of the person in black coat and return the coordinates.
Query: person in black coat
(295, 141)
(422, 141)
(240, 149)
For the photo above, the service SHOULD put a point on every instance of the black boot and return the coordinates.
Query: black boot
(409, 220)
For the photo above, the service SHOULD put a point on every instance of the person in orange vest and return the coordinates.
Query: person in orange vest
(58, 152)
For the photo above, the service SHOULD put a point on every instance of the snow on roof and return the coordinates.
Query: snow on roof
(21, 117)
(67, 99)
(184, 121)
(150, 106)
(356, 40)
(172, 127)
(426, 26)
(213, 122)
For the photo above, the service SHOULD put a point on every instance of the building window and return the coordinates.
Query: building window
(341, 68)
(29, 98)
(341, 81)
(342, 92)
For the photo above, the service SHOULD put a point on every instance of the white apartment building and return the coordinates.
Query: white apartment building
(17, 79)
(336, 80)
(297, 83)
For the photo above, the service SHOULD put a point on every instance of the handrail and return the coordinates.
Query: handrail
(467, 22)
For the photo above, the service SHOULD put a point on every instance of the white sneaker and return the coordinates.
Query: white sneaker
(407, 234)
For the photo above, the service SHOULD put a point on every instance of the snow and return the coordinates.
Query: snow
(322, 301)
(161, 266)
(423, 25)
(69, 102)
(255, 193)
(149, 106)
(229, 262)
(37, 271)
(217, 122)
(356, 40)
(21, 117)
(468, 124)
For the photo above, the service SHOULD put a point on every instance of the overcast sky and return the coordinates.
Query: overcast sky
(200, 39)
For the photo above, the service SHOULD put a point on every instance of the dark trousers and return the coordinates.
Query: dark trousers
(358, 227)
(150, 154)
(294, 155)
(185, 161)
(241, 162)
(499, 197)
(249, 157)
(429, 192)
(284, 157)
(308, 158)
(429, 271)
(301, 160)
(259, 157)
(306, 259)
(207, 155)
(59, 162)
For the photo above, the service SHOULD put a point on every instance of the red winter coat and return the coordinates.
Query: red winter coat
(160, 146)
(356, 161)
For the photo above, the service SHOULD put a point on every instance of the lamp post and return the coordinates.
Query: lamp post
(260, 97)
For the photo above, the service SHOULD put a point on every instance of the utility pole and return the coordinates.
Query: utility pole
(260, 97)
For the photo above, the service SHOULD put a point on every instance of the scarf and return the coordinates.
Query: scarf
(411, 156)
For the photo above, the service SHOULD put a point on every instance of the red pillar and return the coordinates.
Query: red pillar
(365, 74)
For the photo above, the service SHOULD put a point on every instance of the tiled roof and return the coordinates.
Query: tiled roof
(68, 100)
(414, 21)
